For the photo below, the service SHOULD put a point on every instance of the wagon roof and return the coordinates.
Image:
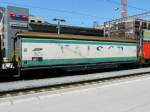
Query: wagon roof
(74, 37)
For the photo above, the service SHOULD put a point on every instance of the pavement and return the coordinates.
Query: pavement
(123, 96)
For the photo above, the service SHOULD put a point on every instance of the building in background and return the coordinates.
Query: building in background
(12, 20)
(36, 19)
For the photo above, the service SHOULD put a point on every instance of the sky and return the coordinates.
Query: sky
(79, 12)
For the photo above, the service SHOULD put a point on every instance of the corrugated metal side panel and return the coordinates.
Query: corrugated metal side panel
(146, 50)
(37, 52)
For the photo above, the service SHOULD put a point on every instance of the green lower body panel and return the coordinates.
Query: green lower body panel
(50, 62)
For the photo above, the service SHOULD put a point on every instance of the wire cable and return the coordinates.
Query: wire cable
(129, 6)
(57, 10)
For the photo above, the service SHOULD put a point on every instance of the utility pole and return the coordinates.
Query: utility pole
(124, 8)
(59, 24)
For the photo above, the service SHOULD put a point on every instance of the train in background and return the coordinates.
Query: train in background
(28, 46)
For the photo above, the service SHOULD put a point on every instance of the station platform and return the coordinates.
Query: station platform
(131, 95)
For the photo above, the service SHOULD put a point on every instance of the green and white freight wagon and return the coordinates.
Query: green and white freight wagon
(45, 50)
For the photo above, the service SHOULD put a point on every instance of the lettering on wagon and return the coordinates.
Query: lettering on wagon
(37, 54)
(100, 48)
(68, 48)
(110, 48)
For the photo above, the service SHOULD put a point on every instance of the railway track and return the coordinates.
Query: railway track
(54, 84)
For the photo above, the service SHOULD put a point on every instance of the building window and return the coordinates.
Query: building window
(32, 21)
(39, 21)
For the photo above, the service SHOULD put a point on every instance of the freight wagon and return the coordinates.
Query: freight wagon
(46, 50)
(146, 45)
(75, 49)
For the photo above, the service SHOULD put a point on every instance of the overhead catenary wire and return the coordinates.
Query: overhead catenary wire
(74, 12)
(129, 6)
(57, 10)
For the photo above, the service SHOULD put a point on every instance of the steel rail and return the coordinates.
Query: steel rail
(51, 82)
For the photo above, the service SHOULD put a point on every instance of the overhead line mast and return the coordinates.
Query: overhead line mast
(124, 8)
